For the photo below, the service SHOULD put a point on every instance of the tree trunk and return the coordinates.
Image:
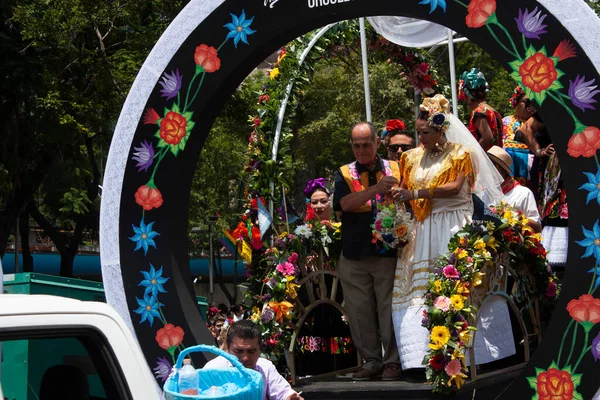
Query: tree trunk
(25, 250)
(66, 263)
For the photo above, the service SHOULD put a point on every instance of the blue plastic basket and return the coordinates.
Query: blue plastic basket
(248, 381)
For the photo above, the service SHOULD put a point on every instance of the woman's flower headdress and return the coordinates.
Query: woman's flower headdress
(437, 107)
(392, 125)
(314, 184)
(517, 93)
(470, 82)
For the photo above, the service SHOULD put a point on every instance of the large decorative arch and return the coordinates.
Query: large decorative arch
(214, 44)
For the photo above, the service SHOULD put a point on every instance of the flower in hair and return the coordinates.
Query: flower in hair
(394, 125)
(314, 184)
(439, 121)
(435, 104)
(517, 93)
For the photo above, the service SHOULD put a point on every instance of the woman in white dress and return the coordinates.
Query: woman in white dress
(438, 179)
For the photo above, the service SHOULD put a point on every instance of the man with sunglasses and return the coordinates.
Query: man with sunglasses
(397, 142)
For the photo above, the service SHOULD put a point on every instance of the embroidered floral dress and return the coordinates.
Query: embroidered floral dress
(494, 120)
(518, 151)
(436, 221)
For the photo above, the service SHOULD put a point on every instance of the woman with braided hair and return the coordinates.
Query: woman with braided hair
(485, 123)
(514, 144)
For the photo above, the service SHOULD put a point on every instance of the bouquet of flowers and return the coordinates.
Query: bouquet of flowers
(392, 226)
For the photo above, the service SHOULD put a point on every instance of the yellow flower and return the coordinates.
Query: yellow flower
(492, 243)
(273, 74)
(438, 286)
(281, 57)
(479, 245)
(440, 335)
(458, 379)
(511, 218)
(460, 253)
(283, 234)
(282, 310)
(460, 356)
(435, 346)
(291, 286)
(255, 317)
(490, 226)
(464, 336)
(461, 288)
(457, 302)
(477, 278)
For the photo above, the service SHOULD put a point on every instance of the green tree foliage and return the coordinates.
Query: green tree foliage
(66, 66)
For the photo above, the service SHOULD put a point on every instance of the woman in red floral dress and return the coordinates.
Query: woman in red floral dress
(485, 122)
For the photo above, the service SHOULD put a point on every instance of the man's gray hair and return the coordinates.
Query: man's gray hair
(374, 134)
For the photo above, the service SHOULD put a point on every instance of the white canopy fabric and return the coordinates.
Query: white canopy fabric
(409, 32)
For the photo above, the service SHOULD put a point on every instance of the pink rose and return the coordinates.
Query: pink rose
(442, 303)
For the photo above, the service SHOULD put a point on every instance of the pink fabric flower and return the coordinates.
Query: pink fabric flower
(451, 272)
(453, 368)
(563, 211)
(286, 268)
(314, 343)
(354, 173)
(293, 258)
(442, 303)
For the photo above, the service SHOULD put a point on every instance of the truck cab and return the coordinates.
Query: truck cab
(60, 348)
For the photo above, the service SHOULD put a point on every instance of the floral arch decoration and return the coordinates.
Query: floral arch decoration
(213, 45)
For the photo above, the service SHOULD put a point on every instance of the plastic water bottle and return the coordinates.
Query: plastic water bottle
(189, 380)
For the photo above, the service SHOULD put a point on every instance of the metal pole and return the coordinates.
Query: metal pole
(365, 67)
(452, 73)
(211, 263)
(17, 246)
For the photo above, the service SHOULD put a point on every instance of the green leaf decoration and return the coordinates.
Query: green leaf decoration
(532, 382)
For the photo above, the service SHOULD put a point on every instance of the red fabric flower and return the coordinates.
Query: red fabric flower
(564, 50)
(585, 309)
(555, 384)
(437, 362)
(538, 72)
(394, 124)
(172, 127)
(150, 116)
(148, 197)
(240, 232)
(206, 57)
(256, 122)
(310, 213)
(169, 336)
(264, 98)
(584, 143)
(256, 241)
(479, 12)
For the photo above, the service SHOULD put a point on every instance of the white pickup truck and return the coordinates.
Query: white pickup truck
(61, 348)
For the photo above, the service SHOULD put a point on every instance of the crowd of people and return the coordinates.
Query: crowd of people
(441, 178)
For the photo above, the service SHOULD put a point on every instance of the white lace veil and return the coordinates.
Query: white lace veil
(487, 178)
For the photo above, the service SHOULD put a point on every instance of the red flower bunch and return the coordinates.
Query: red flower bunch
(148, 197)
(585, 143)
(585, 309)
(264, 98)
(437, 362)
(240, 232)
(256, 238)
(206, 58)
(169, 337)
(394, 125)
(479, 12)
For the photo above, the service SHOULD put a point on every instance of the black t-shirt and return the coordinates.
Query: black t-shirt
(357, 233)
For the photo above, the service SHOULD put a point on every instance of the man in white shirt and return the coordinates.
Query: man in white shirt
(244, 342)
(515, 195)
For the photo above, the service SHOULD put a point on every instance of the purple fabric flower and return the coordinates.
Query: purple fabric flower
(267, 315)
(425, 322)
(162, 369)
(171, 84)
(596, 348)
(314, 184)
(530, 24)
(144, 156)
(582, 92)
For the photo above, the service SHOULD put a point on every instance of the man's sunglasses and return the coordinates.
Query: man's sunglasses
(395, 147)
